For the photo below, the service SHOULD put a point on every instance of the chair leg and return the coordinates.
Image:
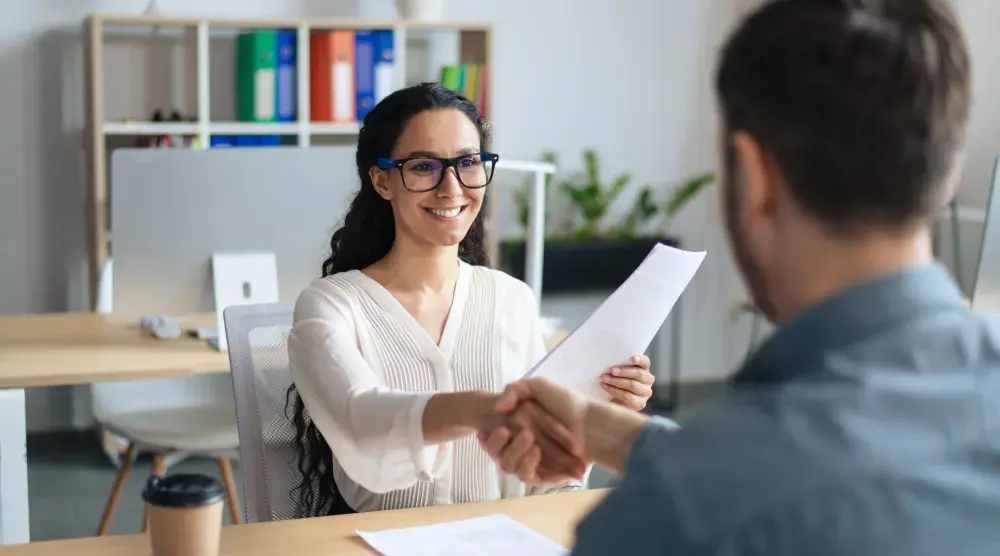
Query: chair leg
(226, 470)
(116, 490)
(158, 469)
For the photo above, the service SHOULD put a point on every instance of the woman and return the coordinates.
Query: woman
(407, 340)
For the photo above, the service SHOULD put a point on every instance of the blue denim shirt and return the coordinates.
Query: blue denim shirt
(867, 426)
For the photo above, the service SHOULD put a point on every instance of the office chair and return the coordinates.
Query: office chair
(171, 418)
(258, 355)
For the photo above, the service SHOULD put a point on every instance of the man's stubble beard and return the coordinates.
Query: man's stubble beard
(751, 272)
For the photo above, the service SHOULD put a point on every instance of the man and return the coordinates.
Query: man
(869, 423)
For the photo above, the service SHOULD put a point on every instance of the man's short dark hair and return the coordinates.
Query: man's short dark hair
(862, 104)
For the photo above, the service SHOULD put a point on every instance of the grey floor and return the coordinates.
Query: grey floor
(69, 479)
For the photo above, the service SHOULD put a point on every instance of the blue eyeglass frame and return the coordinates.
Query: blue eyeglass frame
(389, 164)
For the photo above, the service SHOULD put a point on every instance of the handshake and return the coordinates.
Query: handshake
(545, 433)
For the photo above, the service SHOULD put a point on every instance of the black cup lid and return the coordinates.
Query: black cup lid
(183, 490)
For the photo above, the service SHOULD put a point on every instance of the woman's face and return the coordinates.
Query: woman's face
(443, 215)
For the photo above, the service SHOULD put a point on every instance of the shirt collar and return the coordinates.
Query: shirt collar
(848, 317)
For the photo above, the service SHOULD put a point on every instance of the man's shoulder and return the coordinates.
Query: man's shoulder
(778, 471)
(954, 339)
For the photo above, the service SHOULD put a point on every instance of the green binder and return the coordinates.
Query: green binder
(256, 75)
(450, 77)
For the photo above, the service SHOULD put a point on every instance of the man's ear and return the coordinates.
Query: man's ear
(759, 178)
(380, 183)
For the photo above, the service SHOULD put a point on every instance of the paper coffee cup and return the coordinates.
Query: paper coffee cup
(185, 514)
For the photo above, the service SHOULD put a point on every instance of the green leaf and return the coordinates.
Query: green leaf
(619, 185)
(643, 209)
(592, 167)
(644, 204)
(686, 192)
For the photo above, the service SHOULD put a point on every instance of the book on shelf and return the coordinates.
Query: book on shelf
(266, 88)
(365, 46)
(470, 81)
(286, 91)
(256, 75)
(350, 72)
(385, 66)
(331, 76)
(226, 141)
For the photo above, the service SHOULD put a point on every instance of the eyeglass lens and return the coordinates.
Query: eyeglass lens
(422, 174)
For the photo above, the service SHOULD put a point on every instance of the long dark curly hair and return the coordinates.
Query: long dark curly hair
(365, 238)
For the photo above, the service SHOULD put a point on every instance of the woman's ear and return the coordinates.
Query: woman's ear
(380, 182)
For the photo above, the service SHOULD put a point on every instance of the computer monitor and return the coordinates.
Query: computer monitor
(173, 208)
(986, 290)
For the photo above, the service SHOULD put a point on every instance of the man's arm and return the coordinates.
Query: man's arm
(610, 432)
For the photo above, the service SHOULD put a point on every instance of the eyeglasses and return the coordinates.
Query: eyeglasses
(424, 173)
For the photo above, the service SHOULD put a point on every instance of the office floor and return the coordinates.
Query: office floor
(69, 479)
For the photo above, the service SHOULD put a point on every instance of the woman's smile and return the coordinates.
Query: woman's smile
(446, 214)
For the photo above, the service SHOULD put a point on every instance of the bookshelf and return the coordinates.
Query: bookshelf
(197, 80)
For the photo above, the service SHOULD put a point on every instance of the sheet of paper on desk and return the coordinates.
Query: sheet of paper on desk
(493, 535)
(624, 324)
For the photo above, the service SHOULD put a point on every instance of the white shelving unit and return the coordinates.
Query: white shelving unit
(196, 34)
(227, 128)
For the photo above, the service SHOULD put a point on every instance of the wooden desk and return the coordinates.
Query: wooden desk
(63, 349)
(553, 515)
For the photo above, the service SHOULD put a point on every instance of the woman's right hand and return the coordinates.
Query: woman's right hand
(534, 445)
(522, 434)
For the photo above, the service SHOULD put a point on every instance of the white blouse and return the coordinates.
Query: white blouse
(365, 369)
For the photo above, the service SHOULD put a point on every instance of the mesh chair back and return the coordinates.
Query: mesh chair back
(258, 354)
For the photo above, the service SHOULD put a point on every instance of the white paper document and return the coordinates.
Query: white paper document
(493, 535)
(625, 323)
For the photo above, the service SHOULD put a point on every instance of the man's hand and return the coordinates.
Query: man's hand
(542, 438)
(552, 433)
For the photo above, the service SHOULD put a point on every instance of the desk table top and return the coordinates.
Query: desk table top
(553, 515)
(65, 349)
(61, 349)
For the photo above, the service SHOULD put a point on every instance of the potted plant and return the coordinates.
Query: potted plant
(590, 248)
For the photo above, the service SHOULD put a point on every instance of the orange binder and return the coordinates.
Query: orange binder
(344, 97)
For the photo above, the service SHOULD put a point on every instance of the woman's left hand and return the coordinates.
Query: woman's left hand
(630, 386)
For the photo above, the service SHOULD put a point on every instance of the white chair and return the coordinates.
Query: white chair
(171, 418)
(258, 355)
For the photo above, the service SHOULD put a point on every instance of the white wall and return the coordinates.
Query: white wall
(980, 19)
(630, 78)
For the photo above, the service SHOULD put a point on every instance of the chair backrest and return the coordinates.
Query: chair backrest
(110, 399)
(258, 354)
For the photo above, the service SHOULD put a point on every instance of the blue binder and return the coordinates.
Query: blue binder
(286, 90)
(221, 141)
(365, 47)
(385, 70)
